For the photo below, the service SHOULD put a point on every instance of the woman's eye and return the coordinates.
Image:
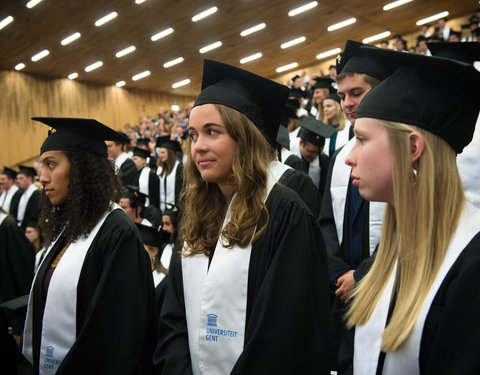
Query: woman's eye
(192, 136)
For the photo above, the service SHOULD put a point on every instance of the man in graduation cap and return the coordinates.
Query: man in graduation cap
(133, 203)
(144, 143)
(466, 161)
(10, 192)
(147, 180)
(28, 206)
(124, 166)
(95, 275)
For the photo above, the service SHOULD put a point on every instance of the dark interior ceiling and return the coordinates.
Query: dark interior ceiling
(46, 24)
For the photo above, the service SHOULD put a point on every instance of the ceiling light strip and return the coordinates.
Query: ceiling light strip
(342, 24)
(331, 52)
(5, 22)
(293, 42)
(70, 39)
(432, 18)
(396, 4)
(173, 62)
(303, 8)
(161, 34)
(125, 51)
(94, 66)
(250, 58)
(181, 83)
(286, 67)
(141, 75)
(73, 75)
(373, 38)
(120, 83)
(253, 29)
(210, 47)
(204, 14)
(19, 66)
(40, 55)
(106, 19)
(32, 3)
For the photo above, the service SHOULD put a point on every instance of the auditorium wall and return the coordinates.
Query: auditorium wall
(25, 96)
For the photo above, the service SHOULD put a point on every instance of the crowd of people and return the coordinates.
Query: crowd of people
(331, 224)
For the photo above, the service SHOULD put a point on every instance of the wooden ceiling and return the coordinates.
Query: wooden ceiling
(45, 25)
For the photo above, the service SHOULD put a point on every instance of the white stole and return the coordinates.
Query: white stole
(338, 190)
(368, 337)
(342, 139)
(143, 180)
(59, 318)
(2, 217)
(216, 300)
(6, 197)
(120, 160)
(167, 189)
(22, 205)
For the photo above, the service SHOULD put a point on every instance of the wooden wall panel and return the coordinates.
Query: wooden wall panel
(25, 96)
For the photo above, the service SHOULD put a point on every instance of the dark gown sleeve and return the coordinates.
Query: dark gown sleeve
(154, 189)
(303, 185)
(451, 334)
(129, 173)
(288, 303)
(32, 211)
(115, 305)
(178, 183)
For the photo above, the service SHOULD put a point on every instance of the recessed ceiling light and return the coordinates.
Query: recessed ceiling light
(40, 55)
(395, 4)
(139, 2)
(286, 67)
(70, 39)
(342, 24)
(204, 14)
(250, 58)
(432, 18)
(332, 52)
(210, 47)
(96, 65)
(253, 29)
(32, 3)
(72, 75)
(105, 19)
(125, 51)
(175, 107)
(293, 42)
(141, 75)
(173, 62)
(303, 8)
(5, 22)
(19, 66)
(376, 37)
(120, 83)
(161, 34)
(181, 83)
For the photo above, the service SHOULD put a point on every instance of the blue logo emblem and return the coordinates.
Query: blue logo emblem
(212, 320)
(50, 350)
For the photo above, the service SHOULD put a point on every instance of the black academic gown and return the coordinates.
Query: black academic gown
(287, 302)
(128, 172)
(153, 187)
(451, 334)
(115, 304)
(32, 210)
(178, 184)
(323, 161)
(17, 259)
(295, 162)
(14, 203)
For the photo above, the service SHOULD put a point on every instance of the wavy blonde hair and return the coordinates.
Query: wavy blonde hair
(340, 117)
(416, 232)
(204, 204)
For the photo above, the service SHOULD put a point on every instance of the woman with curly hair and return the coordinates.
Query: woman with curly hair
(416, 311)
(95, 275)
(248, 294)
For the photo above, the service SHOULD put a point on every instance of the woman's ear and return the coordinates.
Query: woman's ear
(417, 145)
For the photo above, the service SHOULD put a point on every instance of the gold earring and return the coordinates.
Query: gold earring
(414, 171)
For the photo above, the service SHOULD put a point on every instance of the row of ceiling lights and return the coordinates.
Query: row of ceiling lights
(217, 44)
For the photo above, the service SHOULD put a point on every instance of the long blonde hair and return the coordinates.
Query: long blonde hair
(416, 232)
(204, 204)
(340, 117)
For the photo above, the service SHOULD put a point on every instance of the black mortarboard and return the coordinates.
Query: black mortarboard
(283, 138)
(412, 95)
(9, 172)
(332, 67)
(27, 171)
(335, 97)
(78, 133)
(122, 138)
(173, 213)
(323, 83)
(140, 152)
(467, 52)
(456, 33)
(149, 235)
(143, 141)
(295, 77)
(298, 92)
(352, 60)
(16, 303)
(166, 142)
(315, 131)
(258, 98)
(136, 197)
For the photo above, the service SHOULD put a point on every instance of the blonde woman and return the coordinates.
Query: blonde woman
(416, 311)
(334, 116)
(249, 292)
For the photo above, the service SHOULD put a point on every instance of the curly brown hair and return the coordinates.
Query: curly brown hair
(205, 206)
(92, 189)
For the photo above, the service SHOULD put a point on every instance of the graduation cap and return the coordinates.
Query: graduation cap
(140, 152)
(133, 193)
(78, 133)
(9, 172)
(149, 235)
(324, 83)
(258, 98)
(467, 52)
(166, 142)
(283, 138)
(27, 171)
(315, 131)
(295, 77)
(143, 141)
(335, 97)
(173, 213)
(123, 138)
(353, 60)
(411, 95)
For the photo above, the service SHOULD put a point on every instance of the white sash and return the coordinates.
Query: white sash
(2, 217)
(22, 205)
(338, 190)
(216, 300)
(143, 180)
(406, 360)
(167, 198)
(6, 197)
(120, 160)
(59, 318)
(342, 139)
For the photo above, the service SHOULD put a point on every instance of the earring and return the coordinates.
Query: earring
(414, 171)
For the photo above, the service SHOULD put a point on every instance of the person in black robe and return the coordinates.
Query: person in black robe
(124, 166)
(30, 210)
(144, 143)
(286, 306)
(114, 282)
(152, 187)
(11, 194)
